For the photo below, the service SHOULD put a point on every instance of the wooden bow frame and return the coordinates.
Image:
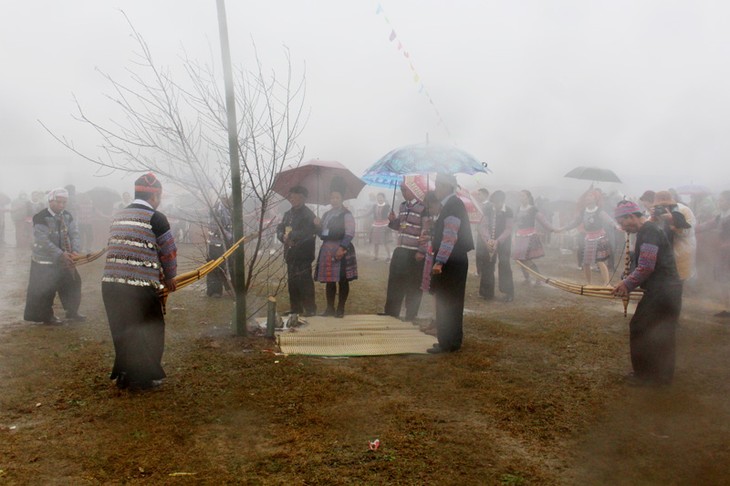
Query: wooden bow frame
(600, 291)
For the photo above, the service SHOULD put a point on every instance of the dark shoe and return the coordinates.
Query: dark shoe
(436, 349)
(724, 314)
(76, 317)
(122, 381)
(383, 314)
(340, 313)
(53, 321)
(328, 313)
(508, 298)
(308, 314)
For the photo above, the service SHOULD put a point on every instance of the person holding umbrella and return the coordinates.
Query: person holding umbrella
(337, 262)
(452, 241)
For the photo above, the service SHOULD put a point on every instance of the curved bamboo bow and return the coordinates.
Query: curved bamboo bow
(185, 279)
(88, 257)
(600, 291)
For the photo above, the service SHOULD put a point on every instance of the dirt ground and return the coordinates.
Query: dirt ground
(535, 396)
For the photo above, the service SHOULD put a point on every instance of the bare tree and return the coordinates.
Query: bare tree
(177, 128)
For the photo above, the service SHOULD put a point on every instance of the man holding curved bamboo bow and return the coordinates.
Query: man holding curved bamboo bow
(141, 260)
(653, 326)
(52, 270)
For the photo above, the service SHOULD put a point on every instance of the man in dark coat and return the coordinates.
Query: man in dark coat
(297, 232)
(56, 243)
(452, 241)
(653, 326)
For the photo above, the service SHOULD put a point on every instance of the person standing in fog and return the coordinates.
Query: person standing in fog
(141, 261)
(452, 241)
(52, 270)
(406, 265)
(527, 245)
(379, 232)
(498, 234)
(654, 323)
(297, 232)
(337, 262)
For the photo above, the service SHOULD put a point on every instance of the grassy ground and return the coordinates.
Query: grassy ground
(534, 397)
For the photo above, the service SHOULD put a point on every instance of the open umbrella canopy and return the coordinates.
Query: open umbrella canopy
(595, 174)
(421, 159)
(316, 176)
(419, 184)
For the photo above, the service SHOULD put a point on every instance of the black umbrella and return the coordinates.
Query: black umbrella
(593, 174)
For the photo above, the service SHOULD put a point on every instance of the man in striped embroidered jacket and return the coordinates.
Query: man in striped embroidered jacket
(141, 260)
(406, 265)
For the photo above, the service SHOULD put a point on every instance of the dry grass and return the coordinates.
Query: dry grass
(534, 397)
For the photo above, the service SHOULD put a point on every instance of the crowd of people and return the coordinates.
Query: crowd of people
(432, 238)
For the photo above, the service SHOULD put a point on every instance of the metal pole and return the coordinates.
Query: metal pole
(238, 261)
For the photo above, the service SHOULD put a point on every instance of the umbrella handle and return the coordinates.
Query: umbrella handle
(392, 204)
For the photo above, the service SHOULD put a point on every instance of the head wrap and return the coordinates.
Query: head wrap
(56, 193)
(446, 179)
(664, 198)
(299, 190)
(148, 183)
(624, 208)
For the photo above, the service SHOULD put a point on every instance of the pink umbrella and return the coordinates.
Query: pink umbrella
(317, 176)
(419, 184)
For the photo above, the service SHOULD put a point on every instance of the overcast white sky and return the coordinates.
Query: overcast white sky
(532, 87)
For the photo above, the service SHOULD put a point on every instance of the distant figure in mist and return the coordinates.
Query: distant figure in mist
(220, 238)
(379, 232)
(452, 242)
(596, 245)
(495, 233)
(21, 212)
(141, 260)
(527, 245)
(721, 265)
(56, 241)
(654, 323)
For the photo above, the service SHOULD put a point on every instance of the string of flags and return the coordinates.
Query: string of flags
(393, 37)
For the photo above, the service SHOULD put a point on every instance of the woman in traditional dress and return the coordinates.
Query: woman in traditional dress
(379, 231)
(596, 248)
(337, 262)
(527, 245)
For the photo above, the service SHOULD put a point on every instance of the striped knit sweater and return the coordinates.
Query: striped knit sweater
(141, 250)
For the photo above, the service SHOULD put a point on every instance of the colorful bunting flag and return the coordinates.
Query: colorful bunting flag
(416, 77)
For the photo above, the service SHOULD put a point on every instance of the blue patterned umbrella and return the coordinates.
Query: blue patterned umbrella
(420, 159)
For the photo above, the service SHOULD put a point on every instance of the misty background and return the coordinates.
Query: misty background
(533, 88)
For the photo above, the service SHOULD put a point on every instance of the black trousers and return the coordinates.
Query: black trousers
(449, 289)
(652, 334)
(404, 283)
(137, 326)
(45, 281)
(487, 266)
(215, 281)
(301, 287)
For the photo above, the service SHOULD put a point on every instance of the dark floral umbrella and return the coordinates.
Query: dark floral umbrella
(316, 176)
(421, 159)
(594, 174)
